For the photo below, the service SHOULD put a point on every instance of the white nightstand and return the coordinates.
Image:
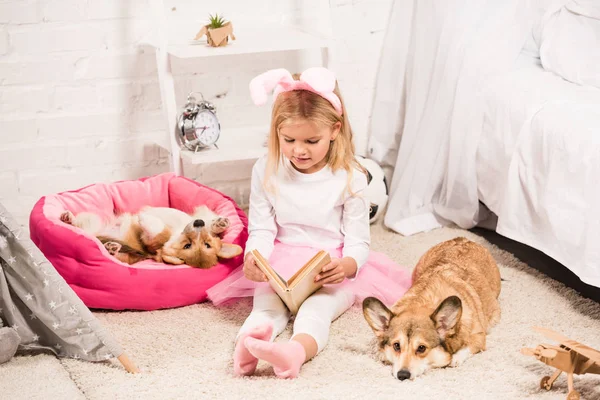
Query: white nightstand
(238, 144)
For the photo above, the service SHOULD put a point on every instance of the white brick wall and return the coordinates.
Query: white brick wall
(237, 183)
(80, 101)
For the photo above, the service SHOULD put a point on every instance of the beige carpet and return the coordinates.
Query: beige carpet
(186, 353)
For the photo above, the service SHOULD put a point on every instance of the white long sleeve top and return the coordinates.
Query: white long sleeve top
(309, 209)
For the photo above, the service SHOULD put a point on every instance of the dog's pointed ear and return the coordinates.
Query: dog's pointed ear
(230, 251)
(172, 260)
(447, 315)
(378, 316)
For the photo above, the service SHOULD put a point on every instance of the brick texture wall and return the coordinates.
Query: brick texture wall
(80, 101)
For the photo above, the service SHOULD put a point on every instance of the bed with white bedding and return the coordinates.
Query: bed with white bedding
(538, 161)
(465, 115)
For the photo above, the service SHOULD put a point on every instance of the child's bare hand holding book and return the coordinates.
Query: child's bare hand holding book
(337, 270)
(251, 270)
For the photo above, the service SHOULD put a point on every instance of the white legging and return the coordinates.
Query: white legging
(314, 316)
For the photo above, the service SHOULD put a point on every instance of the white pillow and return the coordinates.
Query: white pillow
(587, 8)
(538, 9)
(570, 42)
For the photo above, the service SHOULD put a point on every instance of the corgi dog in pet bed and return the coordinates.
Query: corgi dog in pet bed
(444, 317)
(160, 233)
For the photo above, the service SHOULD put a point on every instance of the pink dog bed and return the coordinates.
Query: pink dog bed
(102, 281)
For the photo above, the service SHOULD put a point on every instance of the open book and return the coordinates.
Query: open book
(295, 290)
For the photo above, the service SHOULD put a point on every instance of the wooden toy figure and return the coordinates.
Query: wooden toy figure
(570, 357)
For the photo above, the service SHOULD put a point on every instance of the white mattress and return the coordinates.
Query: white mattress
(538, 161)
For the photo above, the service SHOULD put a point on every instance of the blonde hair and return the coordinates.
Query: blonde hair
(304, 104)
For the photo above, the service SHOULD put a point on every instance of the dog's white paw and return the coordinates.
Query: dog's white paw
(67, 217)
(112, 247)
(460, 357)
(219, 225)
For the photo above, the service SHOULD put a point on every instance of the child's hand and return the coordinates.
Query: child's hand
(251, 270)
(337, 270)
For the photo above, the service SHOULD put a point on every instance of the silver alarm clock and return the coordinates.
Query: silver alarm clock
(198, 125)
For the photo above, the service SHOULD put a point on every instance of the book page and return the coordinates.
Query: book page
(301, 285)
(265, 267)
(310, 269)
(303, 288)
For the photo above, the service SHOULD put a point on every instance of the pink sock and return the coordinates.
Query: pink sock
(286, 358)
(245, 363)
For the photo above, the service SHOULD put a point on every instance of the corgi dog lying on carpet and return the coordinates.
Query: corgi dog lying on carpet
(444, 317)
(160, 233)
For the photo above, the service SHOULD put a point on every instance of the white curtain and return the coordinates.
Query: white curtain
(426, 117)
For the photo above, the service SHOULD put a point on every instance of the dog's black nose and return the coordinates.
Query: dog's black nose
(198, 223)
(403, 374)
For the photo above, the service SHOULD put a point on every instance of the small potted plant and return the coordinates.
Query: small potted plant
(217, 31)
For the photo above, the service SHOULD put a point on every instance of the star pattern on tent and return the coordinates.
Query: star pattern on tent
(41, 271)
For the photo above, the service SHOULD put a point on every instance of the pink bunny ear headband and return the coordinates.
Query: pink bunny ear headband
(318, 80)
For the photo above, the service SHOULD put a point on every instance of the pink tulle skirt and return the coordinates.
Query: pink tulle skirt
(379, 277)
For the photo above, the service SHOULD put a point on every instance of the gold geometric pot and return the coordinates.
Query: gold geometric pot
(217, 37)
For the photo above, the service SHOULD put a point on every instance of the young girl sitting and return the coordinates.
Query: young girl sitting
(306, 195)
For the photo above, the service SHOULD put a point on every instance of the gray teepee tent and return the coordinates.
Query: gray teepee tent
(38, 304)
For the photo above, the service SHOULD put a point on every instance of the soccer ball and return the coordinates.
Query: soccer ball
(377, 188)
